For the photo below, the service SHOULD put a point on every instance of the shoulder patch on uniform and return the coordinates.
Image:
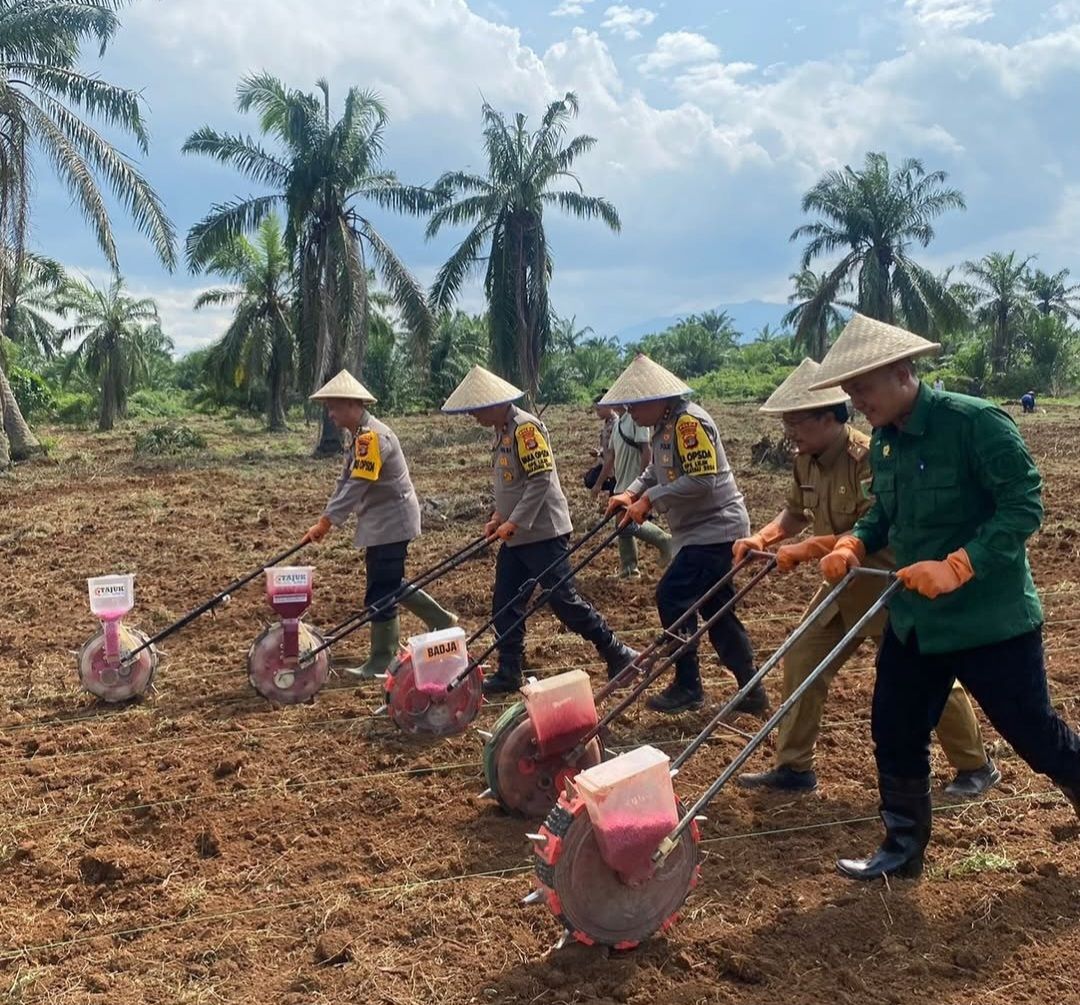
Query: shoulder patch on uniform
(533, 450)
(367, 457)
(696, 450)
(856, 450)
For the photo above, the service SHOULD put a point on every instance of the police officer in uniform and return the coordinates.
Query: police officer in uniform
(532, 520)
(375, 485)
(956, 496)
(829, 493)
(689, 481)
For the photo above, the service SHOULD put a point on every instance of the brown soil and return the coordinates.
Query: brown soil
(201, 846)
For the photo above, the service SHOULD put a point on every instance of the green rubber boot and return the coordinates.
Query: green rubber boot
(429, 610)
(385, 636)
(659, 538)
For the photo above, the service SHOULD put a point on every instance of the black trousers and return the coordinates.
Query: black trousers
(516, 566)
(385, 566)
(694, 570)
(1007, 679)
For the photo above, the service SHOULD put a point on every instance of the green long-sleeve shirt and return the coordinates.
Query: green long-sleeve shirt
(958, 475)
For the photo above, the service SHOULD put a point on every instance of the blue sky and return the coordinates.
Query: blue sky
(712, 119)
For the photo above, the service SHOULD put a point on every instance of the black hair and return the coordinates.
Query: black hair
(598, 396)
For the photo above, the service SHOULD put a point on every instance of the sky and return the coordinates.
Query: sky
(712, 117)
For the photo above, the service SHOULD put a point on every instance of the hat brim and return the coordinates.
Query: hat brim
(466, 409)
(642, 400)
(338, 396)
(876, 364)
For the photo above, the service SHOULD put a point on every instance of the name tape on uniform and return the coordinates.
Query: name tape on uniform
(367, 459)
(533, 451)
(696, 450)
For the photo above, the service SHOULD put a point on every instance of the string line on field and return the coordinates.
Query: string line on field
(493, 874)
(219, 700)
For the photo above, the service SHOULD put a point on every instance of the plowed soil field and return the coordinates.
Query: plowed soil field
(200, 845)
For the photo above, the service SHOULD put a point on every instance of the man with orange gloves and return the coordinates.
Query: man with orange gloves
(829, 489)
(690, 481)
(375, 485)
(956, 496)
(532, 520)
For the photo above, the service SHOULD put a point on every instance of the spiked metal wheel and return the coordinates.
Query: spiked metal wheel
(523, 781)
(435, 713)
(112, 683)
(279, 680)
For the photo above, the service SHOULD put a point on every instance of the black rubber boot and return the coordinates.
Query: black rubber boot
(781, 779)
(757, 701)
(970, 784)
(676, 698)
(616, 656)
(905, 811)
(507, 678)
(1073, 795)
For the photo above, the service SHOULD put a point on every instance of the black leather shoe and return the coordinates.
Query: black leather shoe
(676, 699)
(507, 678)
(906, 813)
(1073, 795)
(782, 779)
(755, 703)
(969, 784)
(617, 657)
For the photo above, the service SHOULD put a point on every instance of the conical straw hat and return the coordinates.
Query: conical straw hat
(644, 380)
(480, 388)
(865, 345)
(794, 395)
(344, 385)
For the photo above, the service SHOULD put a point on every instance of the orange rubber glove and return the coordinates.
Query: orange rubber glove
(792, 555)
(932, 579)
(768, 535)
(493, 524)
(505, 531)
(318, 531)
(623, 500)
(849, 553)
(637, 512)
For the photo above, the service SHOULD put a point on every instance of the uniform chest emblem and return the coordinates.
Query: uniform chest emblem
(886, 450)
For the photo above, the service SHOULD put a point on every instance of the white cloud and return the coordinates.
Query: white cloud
(624, 20)
(950, 15)
(570, 8)
(678, 48)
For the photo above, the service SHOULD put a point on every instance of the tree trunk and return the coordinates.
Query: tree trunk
(107, 416)
(276, 415)
(20, 442)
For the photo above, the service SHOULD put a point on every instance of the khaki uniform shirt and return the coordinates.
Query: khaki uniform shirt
(690, 480)
(832, 491)
(527, 489)
(375, 485)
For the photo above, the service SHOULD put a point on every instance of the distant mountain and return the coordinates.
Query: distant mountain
(748, 317)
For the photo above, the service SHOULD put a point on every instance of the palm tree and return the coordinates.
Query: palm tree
(1053, 295)
(821, 316)
(506, 210)
(1002, 301)
(119, 333)
(259, 343)
(461, 340)
(324, 169)
(47, 105)
(33, 283)
(873, 216)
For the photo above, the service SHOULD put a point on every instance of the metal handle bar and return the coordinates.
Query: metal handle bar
(210, 604)
(542, 598)
(684, 644)
(669, 843)
(403, 592)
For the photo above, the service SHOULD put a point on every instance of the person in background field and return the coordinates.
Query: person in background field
(829, 493)
(599, 478)
(1027, 402)
(939, 385)
(956, 496)
(532, 520)
(375, 485)
(631, 455)
(691, 482)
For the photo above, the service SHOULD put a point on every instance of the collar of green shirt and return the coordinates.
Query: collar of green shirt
(920, 413)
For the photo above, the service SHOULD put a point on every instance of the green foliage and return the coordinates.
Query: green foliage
(164, 404)
(173, 438)
(75, 407)
(528, 172)
(734, 383)
(694, 346)
(33, 394)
